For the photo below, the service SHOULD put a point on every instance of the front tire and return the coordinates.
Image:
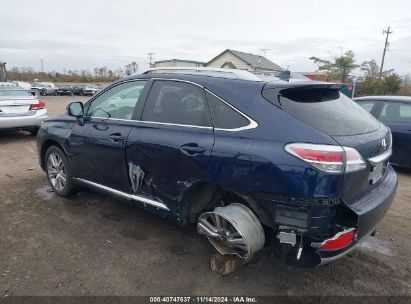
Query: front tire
(58, 172)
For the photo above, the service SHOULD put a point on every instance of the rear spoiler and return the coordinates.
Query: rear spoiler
(303, 85)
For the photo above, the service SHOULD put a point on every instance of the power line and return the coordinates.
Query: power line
(388, 32)
(398, 56)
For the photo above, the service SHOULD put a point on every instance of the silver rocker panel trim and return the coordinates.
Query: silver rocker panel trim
(133, 197)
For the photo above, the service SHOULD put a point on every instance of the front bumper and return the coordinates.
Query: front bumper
(23, 121)
(370, 209)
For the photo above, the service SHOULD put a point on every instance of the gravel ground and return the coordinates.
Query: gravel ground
(91, 244)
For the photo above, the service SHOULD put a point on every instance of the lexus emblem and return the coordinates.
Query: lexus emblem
(384, 143)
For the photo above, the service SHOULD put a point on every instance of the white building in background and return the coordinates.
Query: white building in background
(178, 63)
(232, 59)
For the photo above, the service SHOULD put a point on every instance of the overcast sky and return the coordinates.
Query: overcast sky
(83, 34)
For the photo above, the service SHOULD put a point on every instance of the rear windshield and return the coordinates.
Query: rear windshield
(326, 110)
(14, 93)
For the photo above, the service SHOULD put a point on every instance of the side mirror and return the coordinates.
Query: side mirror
(75, 109)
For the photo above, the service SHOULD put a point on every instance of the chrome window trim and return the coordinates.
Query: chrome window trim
(252, 123)
(173, 124)
(133, 197)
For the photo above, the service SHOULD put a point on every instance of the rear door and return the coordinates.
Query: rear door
(98, 144)
(397, 116)
(169, 148)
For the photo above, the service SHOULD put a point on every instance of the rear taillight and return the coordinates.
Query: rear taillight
(328, 158)
(354, 160)
(340, 240)
(38, 106)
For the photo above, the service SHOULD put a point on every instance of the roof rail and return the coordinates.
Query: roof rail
(213, 72)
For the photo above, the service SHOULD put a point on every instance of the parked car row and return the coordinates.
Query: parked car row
(46, 88)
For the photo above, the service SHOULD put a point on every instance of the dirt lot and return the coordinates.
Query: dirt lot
(95, 245)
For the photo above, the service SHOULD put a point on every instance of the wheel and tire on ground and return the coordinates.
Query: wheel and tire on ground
(58, 171)
(43, 92)
(233, 230)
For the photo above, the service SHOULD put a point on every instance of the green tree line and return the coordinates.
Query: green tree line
(368, 82)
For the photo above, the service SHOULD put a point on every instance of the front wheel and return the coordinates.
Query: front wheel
(58, 172)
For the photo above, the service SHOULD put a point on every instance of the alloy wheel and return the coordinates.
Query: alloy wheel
(56, 171)
(223, 235)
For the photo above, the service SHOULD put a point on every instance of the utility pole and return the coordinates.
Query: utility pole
(42, 65)
(388, 32)
(263, 51)
(150, 58)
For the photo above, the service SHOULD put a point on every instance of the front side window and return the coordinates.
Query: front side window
(396, 112)
(176, 103)
(224, 116)
(118, 102)
(367, 105)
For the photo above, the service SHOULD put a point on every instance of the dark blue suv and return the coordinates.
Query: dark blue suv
(251, 162)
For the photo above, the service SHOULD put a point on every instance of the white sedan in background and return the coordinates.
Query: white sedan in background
(20, 110)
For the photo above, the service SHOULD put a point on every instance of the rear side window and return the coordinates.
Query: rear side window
(326, 110)
(396, 112)
(367, 105)
(176, 103)
(224, 116)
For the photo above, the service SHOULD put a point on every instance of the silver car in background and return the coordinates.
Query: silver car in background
(20, 110)
(90, 90)
(44, 88)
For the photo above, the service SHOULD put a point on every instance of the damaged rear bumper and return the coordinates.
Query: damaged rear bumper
(370, 209)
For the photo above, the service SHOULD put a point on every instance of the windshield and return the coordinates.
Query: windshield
(14, 93)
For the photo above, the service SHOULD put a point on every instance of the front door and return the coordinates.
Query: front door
(171, 145)
(99, 143)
